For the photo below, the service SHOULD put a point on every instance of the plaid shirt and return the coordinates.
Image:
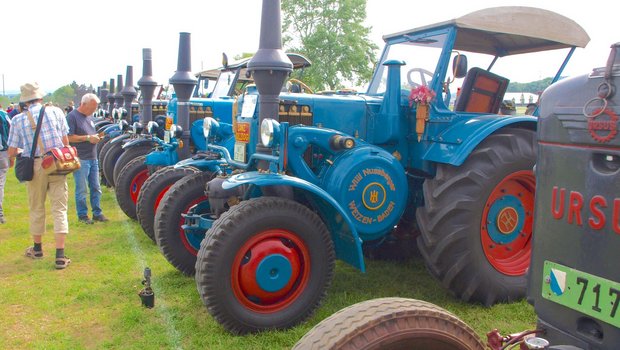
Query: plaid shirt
(53, 129)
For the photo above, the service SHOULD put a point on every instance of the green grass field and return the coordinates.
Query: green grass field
(94, 303)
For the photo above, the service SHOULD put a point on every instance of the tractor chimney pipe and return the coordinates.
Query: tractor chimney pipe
(111, 97)
(104, 94)
(129, 92)
(270, 65)
(184, 83)
(147, 86)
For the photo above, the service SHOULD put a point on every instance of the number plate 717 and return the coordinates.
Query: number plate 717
(589, 294)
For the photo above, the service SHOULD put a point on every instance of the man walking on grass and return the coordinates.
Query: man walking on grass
(84, 138)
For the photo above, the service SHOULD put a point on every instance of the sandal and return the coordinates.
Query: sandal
(62, 263)
(30, 253)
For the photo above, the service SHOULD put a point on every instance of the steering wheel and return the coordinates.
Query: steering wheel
(306, 88)
(423, 73)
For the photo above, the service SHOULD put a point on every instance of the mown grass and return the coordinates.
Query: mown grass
(94, 304)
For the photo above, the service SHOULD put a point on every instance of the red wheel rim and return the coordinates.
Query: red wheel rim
(190, 248)
(506, 226)
(246, 267)
(160, 195)
(136, 184)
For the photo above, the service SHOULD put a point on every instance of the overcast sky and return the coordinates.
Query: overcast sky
(56, 42)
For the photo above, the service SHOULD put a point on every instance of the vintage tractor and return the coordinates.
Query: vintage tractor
(180, 243)
(573, 285)
(319, 176)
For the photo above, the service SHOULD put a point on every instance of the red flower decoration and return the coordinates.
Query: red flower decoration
(421, 95)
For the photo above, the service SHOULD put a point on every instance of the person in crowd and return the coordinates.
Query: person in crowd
(69, 107)
(53, 134)
(5, 125)
(84, 138)
(14, 111)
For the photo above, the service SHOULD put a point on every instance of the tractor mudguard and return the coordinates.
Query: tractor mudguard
(347, 243)
(109, 128)
(137, 142)
(161, 158)
(120, 138)
(211, 165)
(455, 144)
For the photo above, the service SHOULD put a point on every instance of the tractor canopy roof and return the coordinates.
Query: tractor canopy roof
(298, 61)
(509, 30)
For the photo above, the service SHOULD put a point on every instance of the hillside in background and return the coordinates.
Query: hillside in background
(533, 87)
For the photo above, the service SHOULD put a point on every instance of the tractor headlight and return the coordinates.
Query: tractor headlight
(209, 127)
(123, 125)
(152, 127)
(137, 128)
(176, 131)
(269, 132)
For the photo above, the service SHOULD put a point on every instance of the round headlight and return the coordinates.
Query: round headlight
(137, 127)
(176, 131)
(124, 125)
(152, 127)
(268, 130)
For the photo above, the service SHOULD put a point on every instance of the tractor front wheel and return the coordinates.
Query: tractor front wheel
(152, 192)
(179, 246)
(129, 184)
(112, 152)
(391, 323)
(128, 155)
(476, 224)
(266, 263)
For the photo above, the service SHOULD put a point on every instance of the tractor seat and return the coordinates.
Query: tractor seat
(482, 92)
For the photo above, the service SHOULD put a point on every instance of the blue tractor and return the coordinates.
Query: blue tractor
(318, 177)
(177, 192)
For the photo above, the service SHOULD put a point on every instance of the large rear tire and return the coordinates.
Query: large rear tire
(391, 323)
(152, 192)
(128, 155)
(476, 224)
(179, 247)
(109, 160)
(266, 263)
(130, 181)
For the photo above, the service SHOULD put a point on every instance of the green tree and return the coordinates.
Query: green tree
(331, 34)
(63, 95)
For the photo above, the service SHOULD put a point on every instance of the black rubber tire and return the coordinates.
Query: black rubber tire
(391, 323)
(241, 225)
(109, 160)
(168, 235)
(129, 183)
(128, 155)
(154, 188)
(100, 147)
(450, 222)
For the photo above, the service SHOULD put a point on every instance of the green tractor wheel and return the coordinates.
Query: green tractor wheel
(476, 224)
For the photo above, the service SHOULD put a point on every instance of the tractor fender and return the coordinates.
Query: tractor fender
(161, 158)
(454, 144)
(347, 243)
(109, 128)
(119, 138)
(211, 165)
(138, 142)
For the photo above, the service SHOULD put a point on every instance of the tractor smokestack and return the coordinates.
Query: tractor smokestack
(129, 92)
(147, 85)
(119, 86)
(111, 97)
(270, 66)
(184, 82)
(104, 94)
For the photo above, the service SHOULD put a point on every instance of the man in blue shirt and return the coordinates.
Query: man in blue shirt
(84, 138)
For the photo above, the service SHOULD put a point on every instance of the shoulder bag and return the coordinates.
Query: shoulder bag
(24, 166)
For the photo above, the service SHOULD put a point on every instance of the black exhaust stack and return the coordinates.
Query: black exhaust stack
(103, 95)
(270, 65)
(129, 92)
(184, 83)
(147, 86)
(111, 97)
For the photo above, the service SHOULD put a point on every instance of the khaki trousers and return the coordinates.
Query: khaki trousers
(38, 189)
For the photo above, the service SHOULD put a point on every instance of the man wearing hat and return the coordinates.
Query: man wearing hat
(53, 134)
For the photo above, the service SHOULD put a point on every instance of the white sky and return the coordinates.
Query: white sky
(56, 42)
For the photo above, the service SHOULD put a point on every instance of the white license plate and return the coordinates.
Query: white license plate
(240, 149)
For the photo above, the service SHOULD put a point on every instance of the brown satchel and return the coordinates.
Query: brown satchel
(61, 161)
